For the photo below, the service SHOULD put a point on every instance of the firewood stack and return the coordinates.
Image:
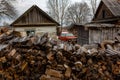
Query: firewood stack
(38, 58)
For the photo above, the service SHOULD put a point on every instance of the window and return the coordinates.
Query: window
(30, 32)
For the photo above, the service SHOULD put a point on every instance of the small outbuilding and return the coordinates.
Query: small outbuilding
(35, 22)
(80, 32)
(104, 26)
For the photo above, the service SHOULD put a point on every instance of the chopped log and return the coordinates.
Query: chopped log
(68, 71)
(118, 62)
(3, 47)
(78, 64)
(104, 43)
(50, 56)
(53, 73)
(24, 65)
(12, 53)
(112, 52)
(46, 77)
(3, 59)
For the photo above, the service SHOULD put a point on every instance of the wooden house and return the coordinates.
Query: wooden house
(35, 21)
(105, 24)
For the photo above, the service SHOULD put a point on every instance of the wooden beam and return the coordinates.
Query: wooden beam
(107, 20)
(34, 24)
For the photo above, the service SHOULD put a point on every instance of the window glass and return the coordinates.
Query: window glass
(69, 34)
(66, 34)
(30, 32)
(63, 34)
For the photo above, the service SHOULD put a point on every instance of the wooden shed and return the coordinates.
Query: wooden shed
(80, 32)
(106, 22)
(35, 21)
(104, 26)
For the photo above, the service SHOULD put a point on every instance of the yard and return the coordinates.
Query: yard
(39, 58)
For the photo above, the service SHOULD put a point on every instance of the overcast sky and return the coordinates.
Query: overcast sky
(23, 5)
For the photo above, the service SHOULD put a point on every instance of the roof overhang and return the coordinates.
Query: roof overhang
(100, 25)
(75, 25)
(34, 25)
(107, 20)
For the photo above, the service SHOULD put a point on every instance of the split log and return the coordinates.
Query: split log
(68, 71)
(46, 77)
(104, 43)
(53, 73)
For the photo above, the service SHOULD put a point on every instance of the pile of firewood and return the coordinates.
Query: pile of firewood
(41, 58)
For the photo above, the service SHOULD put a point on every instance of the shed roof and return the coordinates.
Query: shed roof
(103, 25)
(75, 25)
(113, 5)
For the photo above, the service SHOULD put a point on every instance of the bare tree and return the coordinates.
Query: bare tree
(78, 13)
(57, 9)
(7, 9)
(93, 6)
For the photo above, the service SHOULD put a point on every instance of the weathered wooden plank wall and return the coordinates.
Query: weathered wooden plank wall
(34, 16)
(99, 35)
(83, 36)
